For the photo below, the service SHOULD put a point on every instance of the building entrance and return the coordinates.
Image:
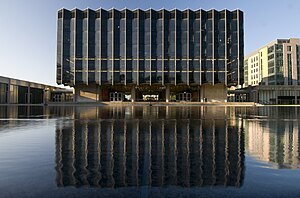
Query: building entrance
(116, 96)
(286, 100)
(185, 97)
(150, 97)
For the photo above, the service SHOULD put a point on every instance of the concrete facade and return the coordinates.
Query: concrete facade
(213, 93)
(273, 73)
(204, 93)
(276, 63)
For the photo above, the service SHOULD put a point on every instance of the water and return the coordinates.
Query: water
(149, 151)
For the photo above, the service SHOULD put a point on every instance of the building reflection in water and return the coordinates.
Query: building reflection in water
(149, 146)
(274, 141)
(34, 112)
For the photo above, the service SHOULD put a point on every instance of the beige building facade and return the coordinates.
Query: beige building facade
(276, 63)
(272, 73)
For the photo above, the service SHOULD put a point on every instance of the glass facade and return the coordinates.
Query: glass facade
(150, 47)
(3, 93)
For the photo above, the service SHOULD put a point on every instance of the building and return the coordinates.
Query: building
(158, 55)
(274, 71)
(14, 91)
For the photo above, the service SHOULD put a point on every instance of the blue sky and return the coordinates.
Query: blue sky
(28, 28)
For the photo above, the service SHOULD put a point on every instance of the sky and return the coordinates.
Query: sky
(28, 28)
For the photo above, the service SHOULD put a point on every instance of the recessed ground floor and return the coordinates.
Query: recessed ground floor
(146, 92)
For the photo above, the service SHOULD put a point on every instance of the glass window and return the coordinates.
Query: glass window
(171, 77)
(184, 65)
(123, 65)
(221, 25)
(196, 77)
(159, 77)
(153, 77)
(234, 25)
(129, 77)
(110, 65)
(209, 25)
(91, 76)
(104, 79)
(220, 77)
(117, 65)
(142, 77)
(220, 65)
(134, 77)
(208, 65)
(178, 77)
(207, 77)
(209, 51)
(78, 77)
(184, 77)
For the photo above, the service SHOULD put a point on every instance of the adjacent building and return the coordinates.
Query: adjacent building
(274, 71)
(159, 55)
(15, 91)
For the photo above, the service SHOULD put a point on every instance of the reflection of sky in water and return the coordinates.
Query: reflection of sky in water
(176, 151)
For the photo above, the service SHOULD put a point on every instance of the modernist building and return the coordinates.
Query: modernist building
(15, 91)
(275, 68)
(165, 55)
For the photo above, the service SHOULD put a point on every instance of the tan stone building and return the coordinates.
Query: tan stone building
(274, 71)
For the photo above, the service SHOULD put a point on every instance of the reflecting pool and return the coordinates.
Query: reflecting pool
(149, 151)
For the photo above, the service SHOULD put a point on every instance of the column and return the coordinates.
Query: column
(276, 96)
(100, 98)
(76, 94)
(28, 95)
(198, 94)
(133, 94)
(167, 93)
(44, 95)
(8, 93)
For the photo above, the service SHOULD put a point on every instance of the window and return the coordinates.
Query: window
(270, 56)
(271, 49)
(289, 48)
